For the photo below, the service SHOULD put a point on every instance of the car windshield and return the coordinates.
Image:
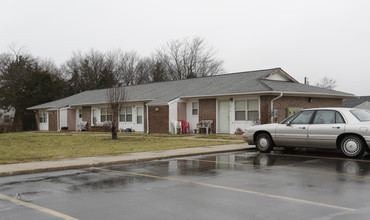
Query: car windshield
(361, 115)
(289, 118)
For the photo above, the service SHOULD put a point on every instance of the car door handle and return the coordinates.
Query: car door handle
(336, 127)
(302, 127)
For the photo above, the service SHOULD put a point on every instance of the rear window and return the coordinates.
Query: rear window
(361, 115)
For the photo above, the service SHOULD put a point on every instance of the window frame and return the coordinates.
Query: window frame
(247, 109)
(195, 110)
(139, 115)
(80, 113)
(240, 110)
(107, 113)
(124, 113)
(252, 110)
(43, 117)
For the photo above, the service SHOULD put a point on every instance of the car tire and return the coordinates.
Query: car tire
(264, 143)
(352, 146)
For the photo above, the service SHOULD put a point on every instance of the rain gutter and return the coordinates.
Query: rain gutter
(272, 106)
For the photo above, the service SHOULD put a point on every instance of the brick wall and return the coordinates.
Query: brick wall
(207, 111)
(71, 119)
(53, 120)
(158, 120)
(86, 116)
(285, 102)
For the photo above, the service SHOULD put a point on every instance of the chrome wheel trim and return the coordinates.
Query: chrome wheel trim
(351, 146)
(263, 143)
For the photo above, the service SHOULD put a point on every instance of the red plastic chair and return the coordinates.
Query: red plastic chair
(185, 125)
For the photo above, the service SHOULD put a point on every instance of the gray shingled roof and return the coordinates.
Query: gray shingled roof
(227, 84)
(353, 102)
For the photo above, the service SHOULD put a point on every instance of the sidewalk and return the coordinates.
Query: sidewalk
(44, 166)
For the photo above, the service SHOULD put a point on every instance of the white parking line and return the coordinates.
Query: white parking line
(36, 207)
(232, 189)
(281, 168)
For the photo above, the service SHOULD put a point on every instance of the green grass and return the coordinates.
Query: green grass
(26, 147)
(224, 137)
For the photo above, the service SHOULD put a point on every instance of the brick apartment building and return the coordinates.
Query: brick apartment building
(231, 101)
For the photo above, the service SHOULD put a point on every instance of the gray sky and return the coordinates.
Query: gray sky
(313, 38)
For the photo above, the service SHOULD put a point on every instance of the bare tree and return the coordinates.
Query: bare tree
(188, 59)
(116, 98)
(128, 63)
(327, 83)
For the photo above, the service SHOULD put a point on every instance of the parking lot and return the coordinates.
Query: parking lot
(240, 185)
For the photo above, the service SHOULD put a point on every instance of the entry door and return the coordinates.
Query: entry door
(223, 117)
(139, 119)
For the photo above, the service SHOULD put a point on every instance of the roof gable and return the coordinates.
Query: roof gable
(280, 75)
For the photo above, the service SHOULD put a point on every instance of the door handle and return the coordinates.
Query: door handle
(302, 127)
(336, 127)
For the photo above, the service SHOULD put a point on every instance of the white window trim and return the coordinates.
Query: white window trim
(192, 108)
(246, 110)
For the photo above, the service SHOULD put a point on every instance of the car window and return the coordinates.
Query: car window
(328, 117)
(303, 118)
(324, 117)
(361, 115)
(288, 119)
(338, 118)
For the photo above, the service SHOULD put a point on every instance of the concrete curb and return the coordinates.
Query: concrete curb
(84, 162)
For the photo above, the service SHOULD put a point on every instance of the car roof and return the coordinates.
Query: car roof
(329, 108)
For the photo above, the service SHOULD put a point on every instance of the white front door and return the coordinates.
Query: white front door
(223, 117)
(139, 119)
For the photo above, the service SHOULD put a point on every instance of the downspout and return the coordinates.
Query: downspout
(58, 124)
(147, 119)
(272, 106)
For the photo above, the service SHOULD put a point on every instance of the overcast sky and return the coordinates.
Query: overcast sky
(312, 38)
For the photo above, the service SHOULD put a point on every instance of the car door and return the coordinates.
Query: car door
(294, 133)
(326, 126)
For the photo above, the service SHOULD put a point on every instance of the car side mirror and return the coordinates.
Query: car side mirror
(289, 123)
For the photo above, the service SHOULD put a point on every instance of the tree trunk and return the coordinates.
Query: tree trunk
(114, 133)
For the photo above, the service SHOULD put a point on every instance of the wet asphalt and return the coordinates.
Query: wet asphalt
(240, 185)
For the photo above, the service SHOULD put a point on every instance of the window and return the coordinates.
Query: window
(194, 107)
(303, 117)
(43, 117)
(105, 114)
(139, 117)
(252, 110)
(79, 113)
(126, 114)
(246, 110)
(239, 110)
(338, 118)
(361, 115)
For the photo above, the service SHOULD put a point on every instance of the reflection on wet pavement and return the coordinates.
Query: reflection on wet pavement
(295, 173)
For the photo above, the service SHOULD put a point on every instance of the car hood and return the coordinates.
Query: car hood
(261, 127)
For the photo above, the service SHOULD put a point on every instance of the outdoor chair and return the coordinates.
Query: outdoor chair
(185, 125)
(82, 126)
(205, 124)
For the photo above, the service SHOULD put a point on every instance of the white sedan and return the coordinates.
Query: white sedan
(346, 129)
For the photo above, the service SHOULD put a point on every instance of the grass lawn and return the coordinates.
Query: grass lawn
(224, 137)
(26, 147)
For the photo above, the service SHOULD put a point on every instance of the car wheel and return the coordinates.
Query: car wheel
(264, 143)
(352, 146)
